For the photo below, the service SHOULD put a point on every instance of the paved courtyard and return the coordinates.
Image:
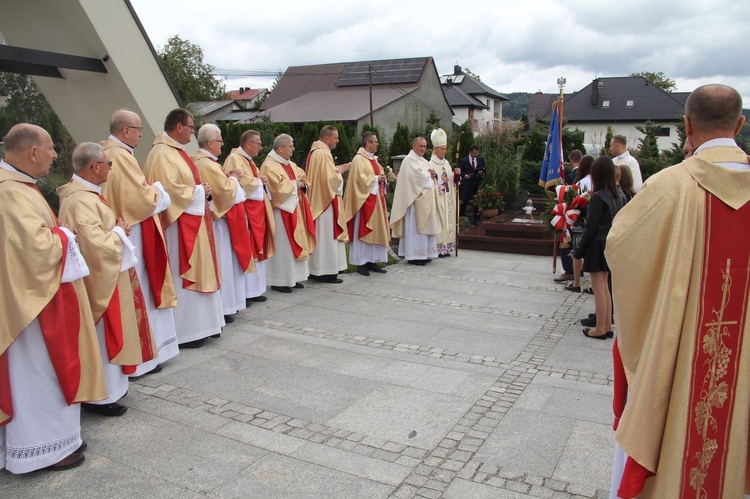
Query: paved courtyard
(467, 378)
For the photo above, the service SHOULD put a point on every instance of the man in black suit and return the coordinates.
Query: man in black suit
(574, 158)
(473, 170)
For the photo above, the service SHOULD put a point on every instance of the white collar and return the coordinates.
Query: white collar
(208, 154)
(11, 168)
(720, 142)
(115, 139)
(278, 158)
(624, 155)
(242, 151)
(88, 184)
(181, 146)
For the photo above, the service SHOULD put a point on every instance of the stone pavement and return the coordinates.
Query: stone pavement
(467, 378)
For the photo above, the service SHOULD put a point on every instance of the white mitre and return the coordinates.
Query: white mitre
(439, 138)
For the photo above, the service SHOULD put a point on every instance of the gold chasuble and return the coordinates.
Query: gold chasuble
(115, 296)
(358, 196)
(682, 355)
(32, 257)
(223, 190)
(325, 182)
(168, 163)
(259, 211)
(410, 190)
(134, 200)
(298, 223)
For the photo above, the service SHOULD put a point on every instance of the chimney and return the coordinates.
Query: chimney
(595, 93)
(456, 69)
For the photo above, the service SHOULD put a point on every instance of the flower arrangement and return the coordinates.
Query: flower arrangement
(488, 198)
(567, 209)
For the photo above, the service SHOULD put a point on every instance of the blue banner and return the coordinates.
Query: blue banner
(552, 164)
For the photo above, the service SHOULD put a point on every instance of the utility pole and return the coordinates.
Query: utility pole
(370, 79)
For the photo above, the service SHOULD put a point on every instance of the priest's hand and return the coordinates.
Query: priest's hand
(124, 226)
(236, 174)
(207, 188)
(457, 171)
(263, 179)
(432, 172)
(381, 178)
(343, 168)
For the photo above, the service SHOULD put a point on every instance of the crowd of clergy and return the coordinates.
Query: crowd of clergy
(144, 260)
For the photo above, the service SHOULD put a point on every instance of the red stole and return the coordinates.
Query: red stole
(256, 218)
(724, 290)
(368, 208)
(155, 257)
(189, 225)
(290, 219)
(239, 235)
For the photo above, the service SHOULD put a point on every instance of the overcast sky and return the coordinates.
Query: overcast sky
(515, 46)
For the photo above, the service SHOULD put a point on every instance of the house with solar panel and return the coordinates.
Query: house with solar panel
(622, 103)
(473, 100)
(387, 92)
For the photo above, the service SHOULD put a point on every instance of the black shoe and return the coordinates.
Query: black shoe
(109, 410)
(299, 285)
(589, 322)
(282, 289)
(610, 334)
(602, 337)
(192, 344)
(417, 262)
(228, 319)
(71, 461)
(82, 447)
(259, 299)
(155, 370)
(592, 315)
(215, 336)
(328, 278)
(442, 255)
(428, 260)
(575, 289)
(588, 291)
(363, 270)
(376, 268)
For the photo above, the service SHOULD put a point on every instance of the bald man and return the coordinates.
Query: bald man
(49, 355)
(682, 356)
(139, 203)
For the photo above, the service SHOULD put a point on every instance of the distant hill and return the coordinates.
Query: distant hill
(517, 106)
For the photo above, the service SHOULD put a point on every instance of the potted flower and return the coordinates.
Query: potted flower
(488, 200)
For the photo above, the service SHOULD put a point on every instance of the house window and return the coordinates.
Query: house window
(605, 103)
(663, 132)
(629, 103)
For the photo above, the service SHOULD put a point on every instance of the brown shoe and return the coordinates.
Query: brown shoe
(73, 460)
(564, 278)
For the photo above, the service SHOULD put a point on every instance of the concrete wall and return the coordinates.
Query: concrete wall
(84, 101)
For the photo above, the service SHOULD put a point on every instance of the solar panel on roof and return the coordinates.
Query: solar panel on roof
(383, 72)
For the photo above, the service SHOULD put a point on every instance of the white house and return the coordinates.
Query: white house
(472, 100)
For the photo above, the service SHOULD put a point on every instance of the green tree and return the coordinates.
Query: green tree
(606, 151)
(648, 155)
(401, 143)
(192, 77)
(675, 155)
(659, 79)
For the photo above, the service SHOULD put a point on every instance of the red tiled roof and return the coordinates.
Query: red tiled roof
(246, 95)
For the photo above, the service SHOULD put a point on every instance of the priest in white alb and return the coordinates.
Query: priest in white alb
(414, 214)
(295, 230)
(258, 209)
(365, 210)
(114, 292)
(139, 203)
(446, 193)
(326, 190)
(229, 219)
(189, 231)
(49, 357)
